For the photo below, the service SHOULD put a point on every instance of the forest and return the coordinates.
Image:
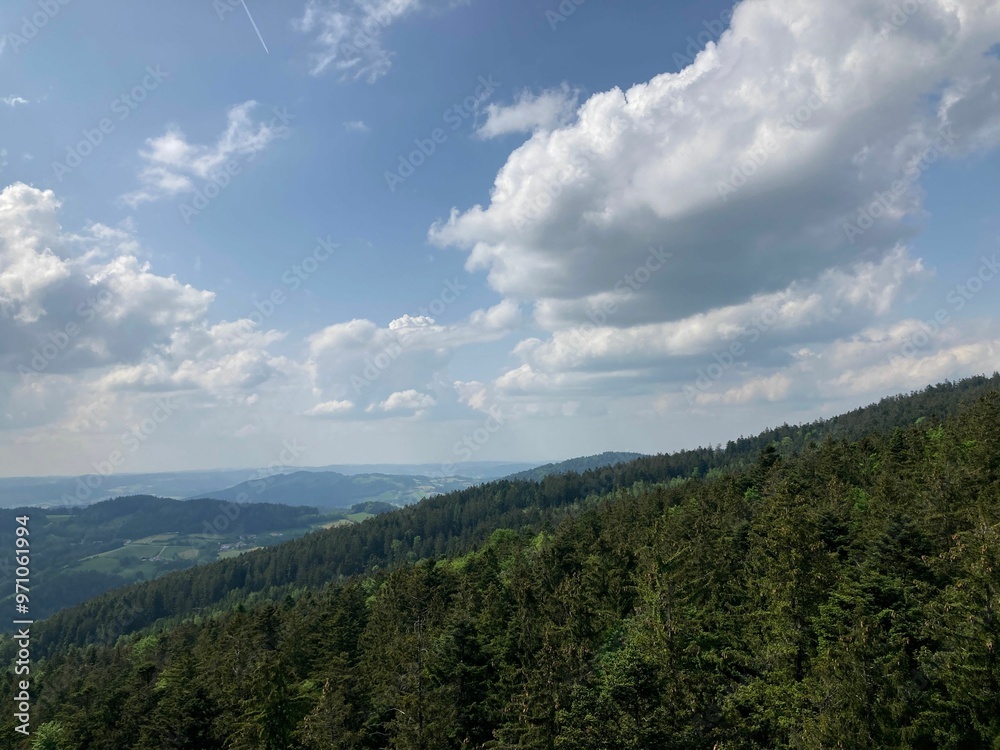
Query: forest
(81, 552)
(833, 585)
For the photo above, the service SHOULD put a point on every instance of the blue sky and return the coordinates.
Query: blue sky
(436, 231)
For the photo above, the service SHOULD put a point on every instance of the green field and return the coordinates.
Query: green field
(168, 550)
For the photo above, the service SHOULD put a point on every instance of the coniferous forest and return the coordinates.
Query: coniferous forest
(835, 585)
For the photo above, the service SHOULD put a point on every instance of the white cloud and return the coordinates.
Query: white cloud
(13, 101)
(89, 333)
(409, 400)
(843, 99)
(550, 109)
(51, 278)
(766, 388)
(330, 409)
(359, 360)
(348, 35)
(839, 301)
(815, 112)
(356, 126)
(173, 165)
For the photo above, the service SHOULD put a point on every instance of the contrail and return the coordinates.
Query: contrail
(255, 26)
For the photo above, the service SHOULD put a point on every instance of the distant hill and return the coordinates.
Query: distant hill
(579, 465)
(78, 553)
(470, 469)
(330, 489)
(65, 492)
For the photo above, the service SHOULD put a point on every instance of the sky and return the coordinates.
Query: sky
(315, 232)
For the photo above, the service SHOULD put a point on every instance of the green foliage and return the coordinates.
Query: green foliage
(842, 596)
(50, 736)
(83, 552)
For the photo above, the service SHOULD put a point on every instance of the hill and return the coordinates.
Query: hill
(61, 492)
(843, 595)
(56, 492)
(328, 489)
(578, 465)
(79, 553)
(478, 470)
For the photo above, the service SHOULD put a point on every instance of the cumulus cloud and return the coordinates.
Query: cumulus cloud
(204, 357)
(359, 360)
(765, 388)
(92, 283)
(840, 301)
(823, 106)
(409, 401)
(544, 111)
(173, 165)
(663, 223)
(13, 101)
(89, 332)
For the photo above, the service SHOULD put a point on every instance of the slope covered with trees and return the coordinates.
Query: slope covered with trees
(456, 523)
(578, 465)
(332, 490)
(81, 552)
(844, 596)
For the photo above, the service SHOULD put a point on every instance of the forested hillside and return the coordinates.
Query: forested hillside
(578, 465)
(842, 596)
(332, 490)
(81, 552)
(455, 523)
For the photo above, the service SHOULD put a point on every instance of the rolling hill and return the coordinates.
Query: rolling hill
(328, 489)
(79, 553)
